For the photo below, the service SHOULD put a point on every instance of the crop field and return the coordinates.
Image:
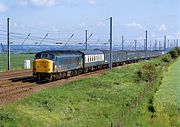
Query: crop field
(16, 61)
(167, 98)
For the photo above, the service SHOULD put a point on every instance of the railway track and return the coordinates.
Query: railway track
(14, 74)
(13, 83)
(18, 86)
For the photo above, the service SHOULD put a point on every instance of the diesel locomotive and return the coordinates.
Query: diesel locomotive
(55, 65)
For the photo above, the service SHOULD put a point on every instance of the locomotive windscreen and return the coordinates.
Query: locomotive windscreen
(47, 56)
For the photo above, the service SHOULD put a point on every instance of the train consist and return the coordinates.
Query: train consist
(54, 65)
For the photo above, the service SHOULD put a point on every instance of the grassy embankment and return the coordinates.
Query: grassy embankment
(16, 61)
(167, 98)
(93, 102)
(161, 107)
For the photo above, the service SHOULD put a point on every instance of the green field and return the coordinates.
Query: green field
(92, 102)
(16, 61)
(167, 98)
(161, 107)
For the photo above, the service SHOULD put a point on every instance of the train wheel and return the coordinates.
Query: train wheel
(39, 79)
(50, 78)
(75, 72)
(58, 76)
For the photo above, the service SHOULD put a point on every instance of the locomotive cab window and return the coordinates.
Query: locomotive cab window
(46, 56)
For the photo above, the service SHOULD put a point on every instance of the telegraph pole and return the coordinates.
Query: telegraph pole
(168, 44)
(144, 44)
(86, 38)
(8, 44)
(159, 45)
(150, 45)
(171, 45)
(155, 44)
(146, 48)
(111, 27)
(135, 42)
(174, 43)
(164, 43)
(122, 42)
(177, 42)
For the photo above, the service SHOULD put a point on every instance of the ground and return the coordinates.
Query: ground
(99, 101)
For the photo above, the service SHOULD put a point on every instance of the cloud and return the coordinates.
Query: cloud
(3, 8)
(153, 35)
(92, 2)
(23, 2)
(174, 36)
(47, 3)
(137, 25)
(162, 28)
(83, 24)
(100, 23)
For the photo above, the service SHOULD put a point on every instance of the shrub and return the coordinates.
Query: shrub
(147, 73)
(178, 50)
(173, 53)
(167, 58)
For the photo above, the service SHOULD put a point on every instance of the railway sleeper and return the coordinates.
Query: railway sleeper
(15, 88)
(15, 93)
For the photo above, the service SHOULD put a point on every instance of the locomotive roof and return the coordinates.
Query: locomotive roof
(55, 52)
(85, 52)
(91, 52)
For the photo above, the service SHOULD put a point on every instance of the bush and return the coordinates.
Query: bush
(167, 58)
(173, 53)
(178, 50)
(147, 73)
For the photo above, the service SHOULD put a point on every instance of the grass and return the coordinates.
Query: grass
(161, 106)
(17, 61)
(167, 98)
(92, 102)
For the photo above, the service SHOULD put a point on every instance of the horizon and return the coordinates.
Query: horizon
(61, 19)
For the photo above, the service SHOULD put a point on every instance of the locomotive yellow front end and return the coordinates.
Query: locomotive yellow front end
(42, 69)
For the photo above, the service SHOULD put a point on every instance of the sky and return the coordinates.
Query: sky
(62, 19)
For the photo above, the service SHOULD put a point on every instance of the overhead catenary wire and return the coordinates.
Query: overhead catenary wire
(43, 39)
(69, 39)
(98, 37)
(26, 38)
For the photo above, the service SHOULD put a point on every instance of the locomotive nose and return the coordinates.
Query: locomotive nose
(43, 66)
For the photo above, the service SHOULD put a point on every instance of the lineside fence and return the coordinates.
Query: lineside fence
(132, 105)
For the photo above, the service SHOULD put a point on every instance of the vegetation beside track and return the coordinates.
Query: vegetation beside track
(167, 98)
(17, 61)
(122, 96)
(160, 107)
